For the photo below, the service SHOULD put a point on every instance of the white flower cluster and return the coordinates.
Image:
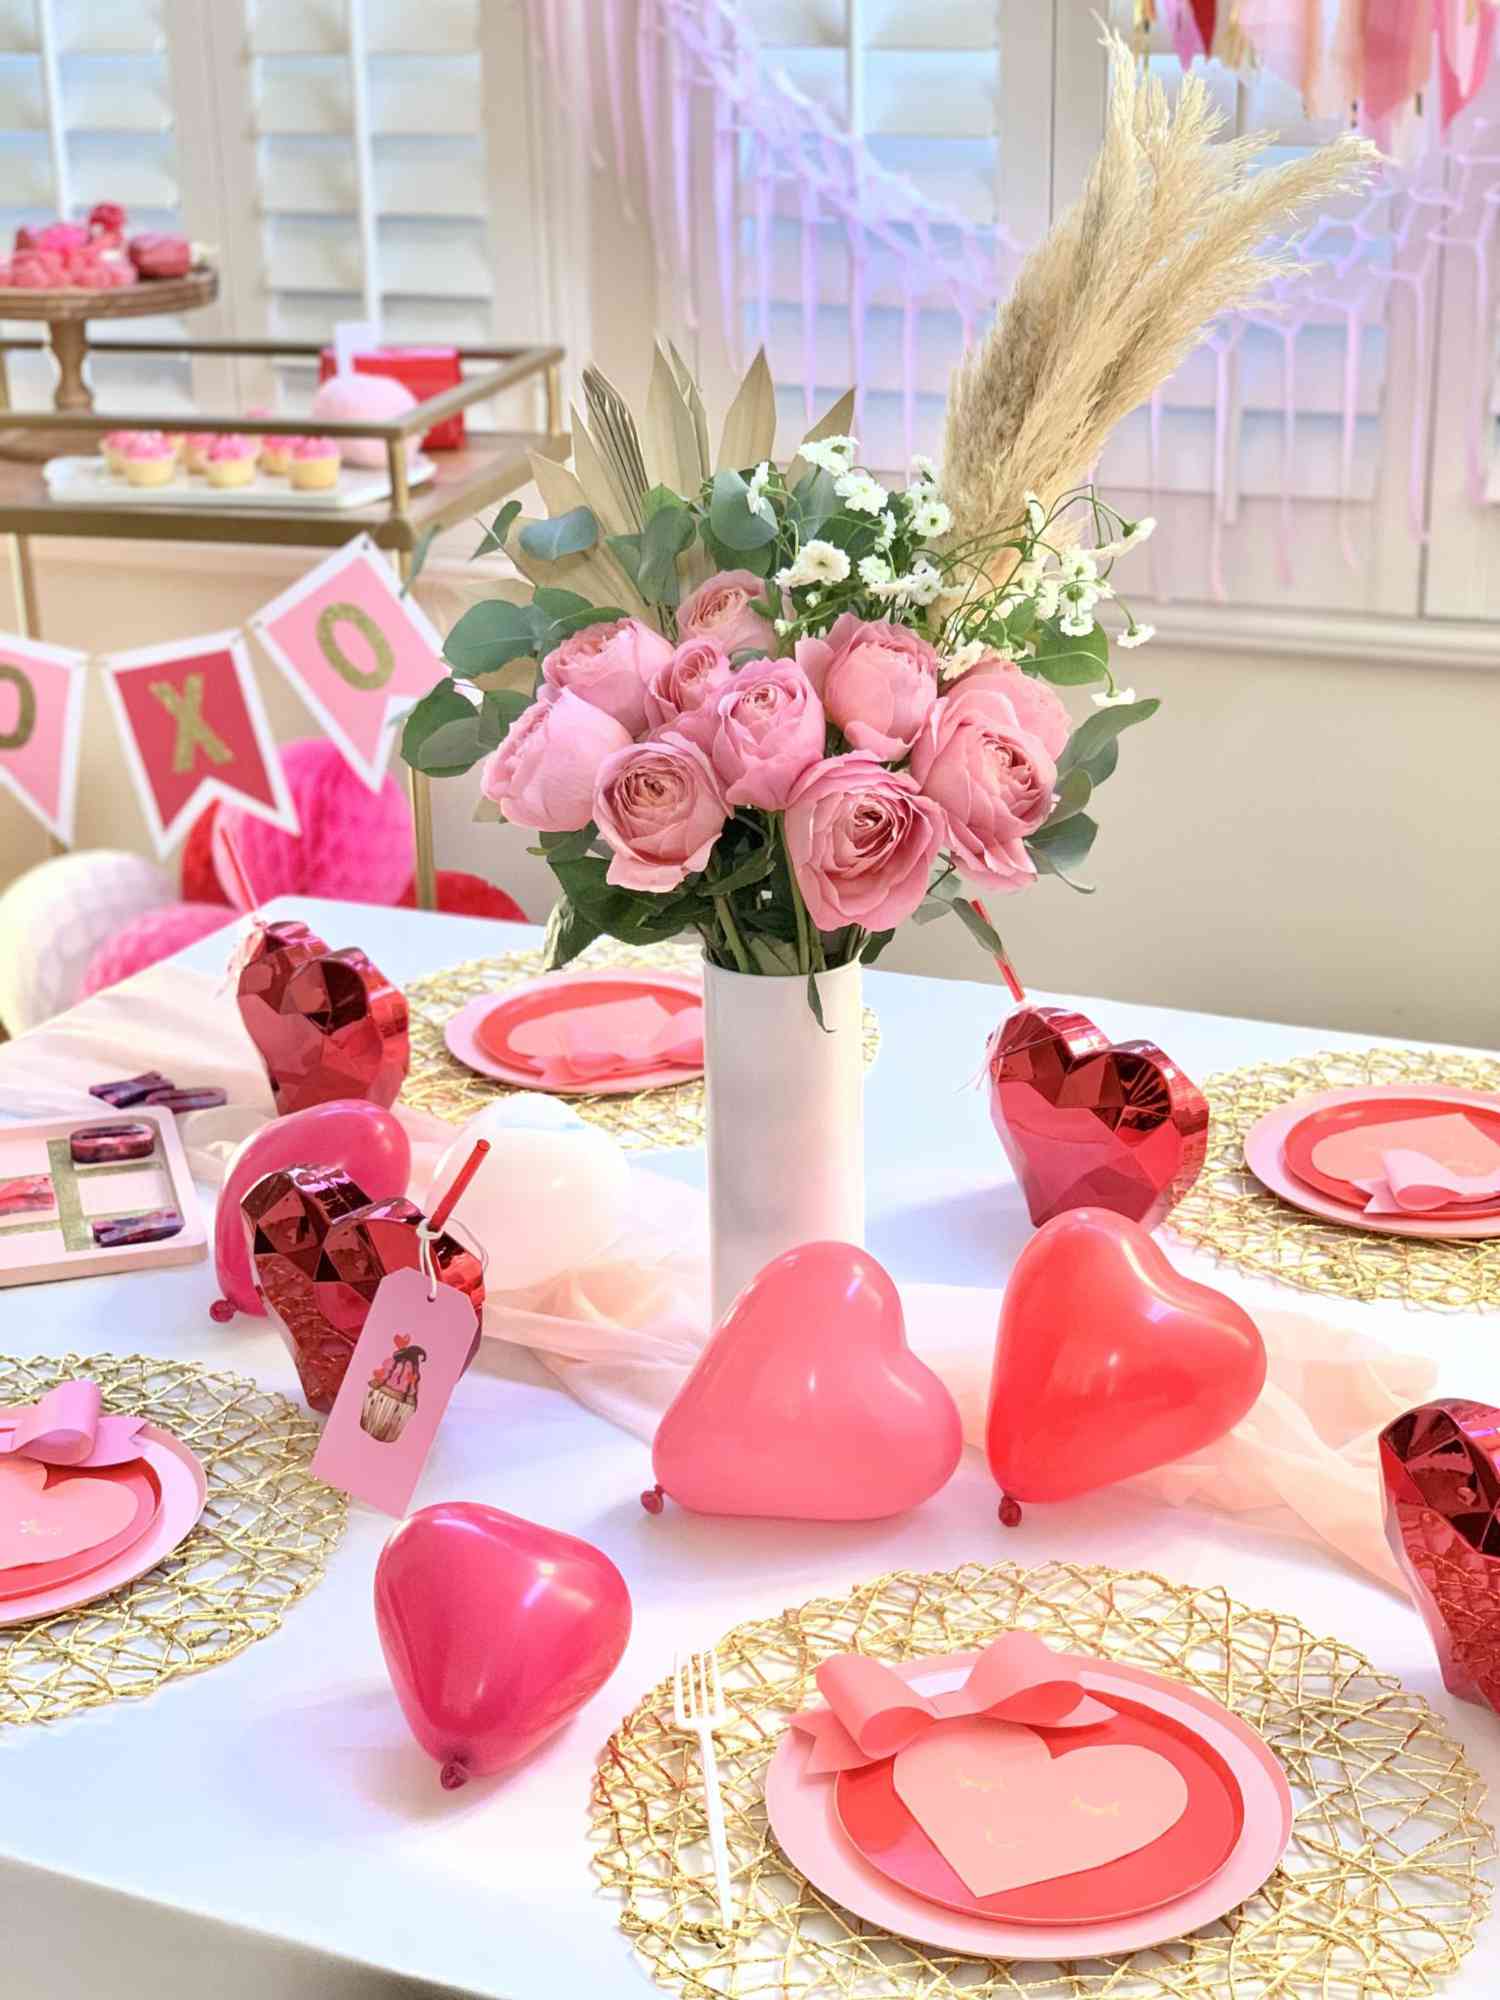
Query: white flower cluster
(920, 585)
(831, 454)
(816, 562)
(755, 492)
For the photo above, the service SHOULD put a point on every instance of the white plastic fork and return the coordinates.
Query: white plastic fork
(698, 1709)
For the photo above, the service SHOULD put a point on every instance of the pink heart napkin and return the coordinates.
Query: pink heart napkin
(1409, 1183)
(616, 1039)
(43, 1522)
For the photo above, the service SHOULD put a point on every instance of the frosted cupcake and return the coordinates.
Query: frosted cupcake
(391, 1397)
(195, 450)
(315, 465)
(113, 447)
(276, 454)
(149, 459)
(230, 460)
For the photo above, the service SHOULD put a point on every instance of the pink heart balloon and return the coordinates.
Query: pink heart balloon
(807, 1403)
(494, 1632)
(366, 1141)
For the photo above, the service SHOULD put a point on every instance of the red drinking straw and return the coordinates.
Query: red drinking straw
(457, 1185)
(1007, 970)
(242, 885)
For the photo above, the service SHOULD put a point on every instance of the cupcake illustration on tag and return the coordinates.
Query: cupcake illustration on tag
(391, 1398)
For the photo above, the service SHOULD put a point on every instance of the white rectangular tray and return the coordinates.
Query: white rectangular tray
(88, 482)
(57, 1244)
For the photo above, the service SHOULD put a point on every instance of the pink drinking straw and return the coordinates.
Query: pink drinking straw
(242, 886)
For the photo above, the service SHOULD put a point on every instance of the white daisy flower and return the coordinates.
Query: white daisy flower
(783, 626)
(959, 661)
(1135, 533)
(1048, 597)
(923, 583)
(755, 492)
(1078, 566)
(931, 517)
(1077, 624)
(923, 471)
(830, 454)
(1116, 698)
(860, 493)
(875, 572)
(887, 532)
(1136, 635)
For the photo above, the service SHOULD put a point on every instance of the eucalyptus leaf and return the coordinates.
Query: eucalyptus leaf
(874, 945)
(568, 846)
(731, 518)
(419, 557)
(1101, 728)
(1073, 794)
(568, 933)
(670, 530)
(1061, 846)
(495, 534)
(755, 869)
(1069, 662)
(563, 535)
(441, 734)
(1102, 764)
(488, 635)
(658, 498)
(815, 1002)
(498, 711)
(980, 926)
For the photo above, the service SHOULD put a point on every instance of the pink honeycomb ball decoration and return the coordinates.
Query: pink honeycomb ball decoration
(149, 938)
(56, 916)
(354, 399)
(355, 844)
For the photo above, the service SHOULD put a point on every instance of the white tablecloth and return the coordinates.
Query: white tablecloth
(269, 1827)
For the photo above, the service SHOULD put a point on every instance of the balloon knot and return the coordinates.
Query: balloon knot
(653, 1500)
(453, 1775)
(221, 1312)
(1010, 1512)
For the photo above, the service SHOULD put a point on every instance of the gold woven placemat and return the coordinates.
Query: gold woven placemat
(645, 1121)
(1230, 1214)
(1378, 1896)
(263, 1540)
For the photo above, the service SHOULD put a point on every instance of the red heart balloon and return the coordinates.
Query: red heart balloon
(1089, 1122)
(1440, 1468)
(1109, 1362)
(494, 1631)
(327, 1024)
(319, 1248)
(807, 1403)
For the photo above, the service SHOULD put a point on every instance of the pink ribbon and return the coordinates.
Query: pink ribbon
(873, 1713)
(66, 1428)
(1409, 1183)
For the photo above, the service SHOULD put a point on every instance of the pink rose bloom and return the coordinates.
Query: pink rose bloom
(879, 687)
(770, 730)
(689, 681)
(993, 780)
(609, 665)
(659, 806)
(720, 609)
(1038, 710)
(862, 841)
(543, 774)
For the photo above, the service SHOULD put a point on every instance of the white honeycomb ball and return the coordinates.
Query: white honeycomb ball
(55, 917)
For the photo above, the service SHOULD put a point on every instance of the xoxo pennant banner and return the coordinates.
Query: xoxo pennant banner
(357, 652)
(194, 731)
(41, 715)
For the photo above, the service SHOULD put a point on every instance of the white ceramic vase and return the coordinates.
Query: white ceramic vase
(785, 1119)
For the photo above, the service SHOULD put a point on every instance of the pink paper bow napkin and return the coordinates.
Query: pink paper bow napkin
(595, 1043)
(1410, 1183)
(873, 1713)
(65, 1428)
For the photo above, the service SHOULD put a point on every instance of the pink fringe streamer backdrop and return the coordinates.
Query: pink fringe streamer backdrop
(685, 75)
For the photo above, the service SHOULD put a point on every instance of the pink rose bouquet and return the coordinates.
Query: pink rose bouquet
(793, 709)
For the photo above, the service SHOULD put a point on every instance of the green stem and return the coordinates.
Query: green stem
(731, 933)
(799, 908)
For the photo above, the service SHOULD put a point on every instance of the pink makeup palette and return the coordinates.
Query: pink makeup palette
(87, 1195)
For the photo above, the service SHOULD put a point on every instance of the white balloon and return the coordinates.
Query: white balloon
(544, 1201)
(530, 1111)
(54, 918)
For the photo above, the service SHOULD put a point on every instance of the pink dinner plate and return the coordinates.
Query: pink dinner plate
(478, 1035)
(804, 1818)
(1182, 1859)
(1265, 1144)
(1346, 1122)
(139, 1480)
(183, 1488)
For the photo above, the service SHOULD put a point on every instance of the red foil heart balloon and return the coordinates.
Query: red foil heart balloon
(319, 1248)
(807, 1404)
(1440, 1467)
(1108, 1362)
(327, 1024)
(1087, 1122)
(495, 1631)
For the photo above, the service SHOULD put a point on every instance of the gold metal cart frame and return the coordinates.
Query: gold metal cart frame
(491, 465)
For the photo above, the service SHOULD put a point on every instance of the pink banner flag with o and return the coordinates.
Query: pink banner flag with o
(194, 730)
(41, 720)
(359, 654)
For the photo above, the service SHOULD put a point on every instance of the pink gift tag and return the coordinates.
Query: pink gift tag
(404, 1368)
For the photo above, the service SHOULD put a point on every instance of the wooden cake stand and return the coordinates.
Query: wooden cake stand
(67, 312)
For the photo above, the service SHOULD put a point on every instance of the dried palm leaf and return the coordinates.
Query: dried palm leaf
(693, 396)
(749, 434)
(1170, 232)
(600, 486)
(670, 436)
(617, 439)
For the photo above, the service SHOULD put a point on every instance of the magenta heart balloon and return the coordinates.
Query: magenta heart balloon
(495, 1631)
(366, 1141)
(807, 1404)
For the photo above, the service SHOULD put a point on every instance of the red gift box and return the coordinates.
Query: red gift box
(426, 371)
